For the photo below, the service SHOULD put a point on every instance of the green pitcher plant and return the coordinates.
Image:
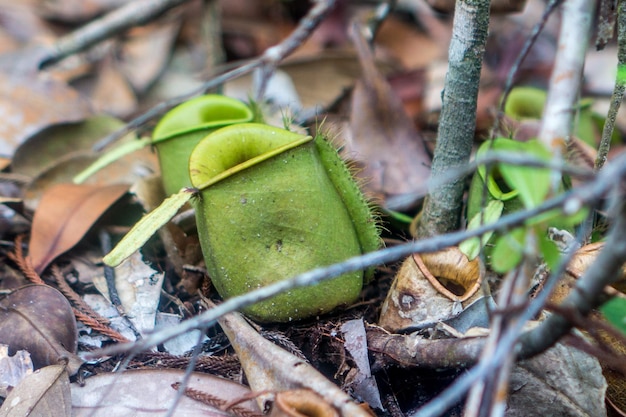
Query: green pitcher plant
(177, 133)
(180, 130)
(271, 204)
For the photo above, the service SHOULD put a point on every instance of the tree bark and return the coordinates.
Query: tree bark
(442, 207)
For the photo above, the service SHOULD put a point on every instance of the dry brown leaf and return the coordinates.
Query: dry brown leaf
(42, 150)
(126, 170)
(44, 393)
(582, 260)
(148, 393)
(384, 138)
(29, 103)
(65, 213)
(39, 319)
(401, 39)
(112, 93)
(319, 79)
(21, 23)
(145, 52)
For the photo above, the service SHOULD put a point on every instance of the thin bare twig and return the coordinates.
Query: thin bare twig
(132, 14)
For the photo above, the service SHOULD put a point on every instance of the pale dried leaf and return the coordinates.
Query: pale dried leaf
(112, 93)
(148, 393)
(146, 51)
(41, 151)
(139, 288)
(44, 393)
(29, 103)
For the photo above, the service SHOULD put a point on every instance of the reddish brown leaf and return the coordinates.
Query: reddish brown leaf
(66, 212)
(45, 393)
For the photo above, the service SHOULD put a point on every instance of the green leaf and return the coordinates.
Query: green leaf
(615, 312)
(146, 227)
(109, 158)
(533, 184)
(471, 247)
(508, 251)
(556, 218)
(491, 178)
(549, 250)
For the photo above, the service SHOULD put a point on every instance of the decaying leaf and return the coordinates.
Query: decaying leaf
(585, 256)
(43, 149)
(125, 170)
(29, 103)
(112, 93)
(139, 288)
(66, 212)
(319, 80)
(38, 319)
(44, 393)
(363, 384)
(581, 261)
(384, 137)
(148, 393)
(146, 50)
(430, 288)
